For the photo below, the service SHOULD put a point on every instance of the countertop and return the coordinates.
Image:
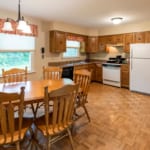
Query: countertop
(72, 64)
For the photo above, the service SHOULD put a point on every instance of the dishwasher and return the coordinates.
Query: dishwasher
(67, 72)
(111, 74)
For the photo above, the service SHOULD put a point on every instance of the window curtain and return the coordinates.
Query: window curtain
(34, 29)
(77, 37)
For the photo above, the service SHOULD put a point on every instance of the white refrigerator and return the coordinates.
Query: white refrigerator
(140, 68)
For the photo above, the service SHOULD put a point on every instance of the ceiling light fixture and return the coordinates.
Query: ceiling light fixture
(22, 25)
(116, 20)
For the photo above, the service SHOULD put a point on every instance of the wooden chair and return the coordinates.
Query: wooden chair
(14, 75)
(83, 78)
(11, 130)
(19, 75)
(57, 123)
(54, 73)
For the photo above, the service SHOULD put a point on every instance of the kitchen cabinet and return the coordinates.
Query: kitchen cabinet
(57, 41)
(128, 39)
(98, 72)
(102, 43)
(139, 37)
(125, 75)
(80, 66)
(92, 44)
(118, 39)
(91, 67)
(109, 39)
(147, 37)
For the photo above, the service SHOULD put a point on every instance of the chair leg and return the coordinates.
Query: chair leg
(49, 143)
(17, 146)
(70, 138)
(85, 109)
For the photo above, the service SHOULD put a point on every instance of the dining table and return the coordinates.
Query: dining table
(34, 90)
(34, 94)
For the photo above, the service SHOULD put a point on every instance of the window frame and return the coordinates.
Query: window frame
(78, 52)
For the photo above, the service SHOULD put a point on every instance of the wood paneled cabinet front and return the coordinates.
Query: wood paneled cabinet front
(57, 41)
(78, 67)
(102, 43)
(125, 75)
(98, 72)
(118, 39)
(139, 37)
(91, 67)
(92, 44)
(128, 39)
(147, 37)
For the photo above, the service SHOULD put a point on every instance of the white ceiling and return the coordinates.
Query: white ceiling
(86, 13)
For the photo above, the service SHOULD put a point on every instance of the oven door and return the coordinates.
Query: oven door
(111, 75)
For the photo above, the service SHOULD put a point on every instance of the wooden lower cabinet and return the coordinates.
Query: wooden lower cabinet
(77, 67)
(98, 73)
(91, 67)
(125, 75)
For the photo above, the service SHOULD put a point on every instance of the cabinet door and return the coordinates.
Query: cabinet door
(92, 44)
(110, 39)
(91, 67)
(125, 75)
(139, 37)
(147, 37)
(128, 39)
(102, 43)
(57, 41)
(99, 72)
(117, 39)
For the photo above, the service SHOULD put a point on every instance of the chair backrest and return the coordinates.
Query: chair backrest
(83, 78)
(63, 100)
(53, 73)
(14, 75)
(10, 127)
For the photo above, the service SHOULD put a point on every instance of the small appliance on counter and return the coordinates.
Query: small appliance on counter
(118, 60)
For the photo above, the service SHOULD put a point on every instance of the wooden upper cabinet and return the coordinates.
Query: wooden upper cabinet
(102, 43)
(109, 39)
(57, 41)
(92, 44)
(117, 39)
(128, 39)
(139, 37)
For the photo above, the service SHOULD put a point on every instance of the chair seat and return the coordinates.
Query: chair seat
(16, 137)
(56, 130)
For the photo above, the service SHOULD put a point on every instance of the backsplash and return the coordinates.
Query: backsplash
(113, 52)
